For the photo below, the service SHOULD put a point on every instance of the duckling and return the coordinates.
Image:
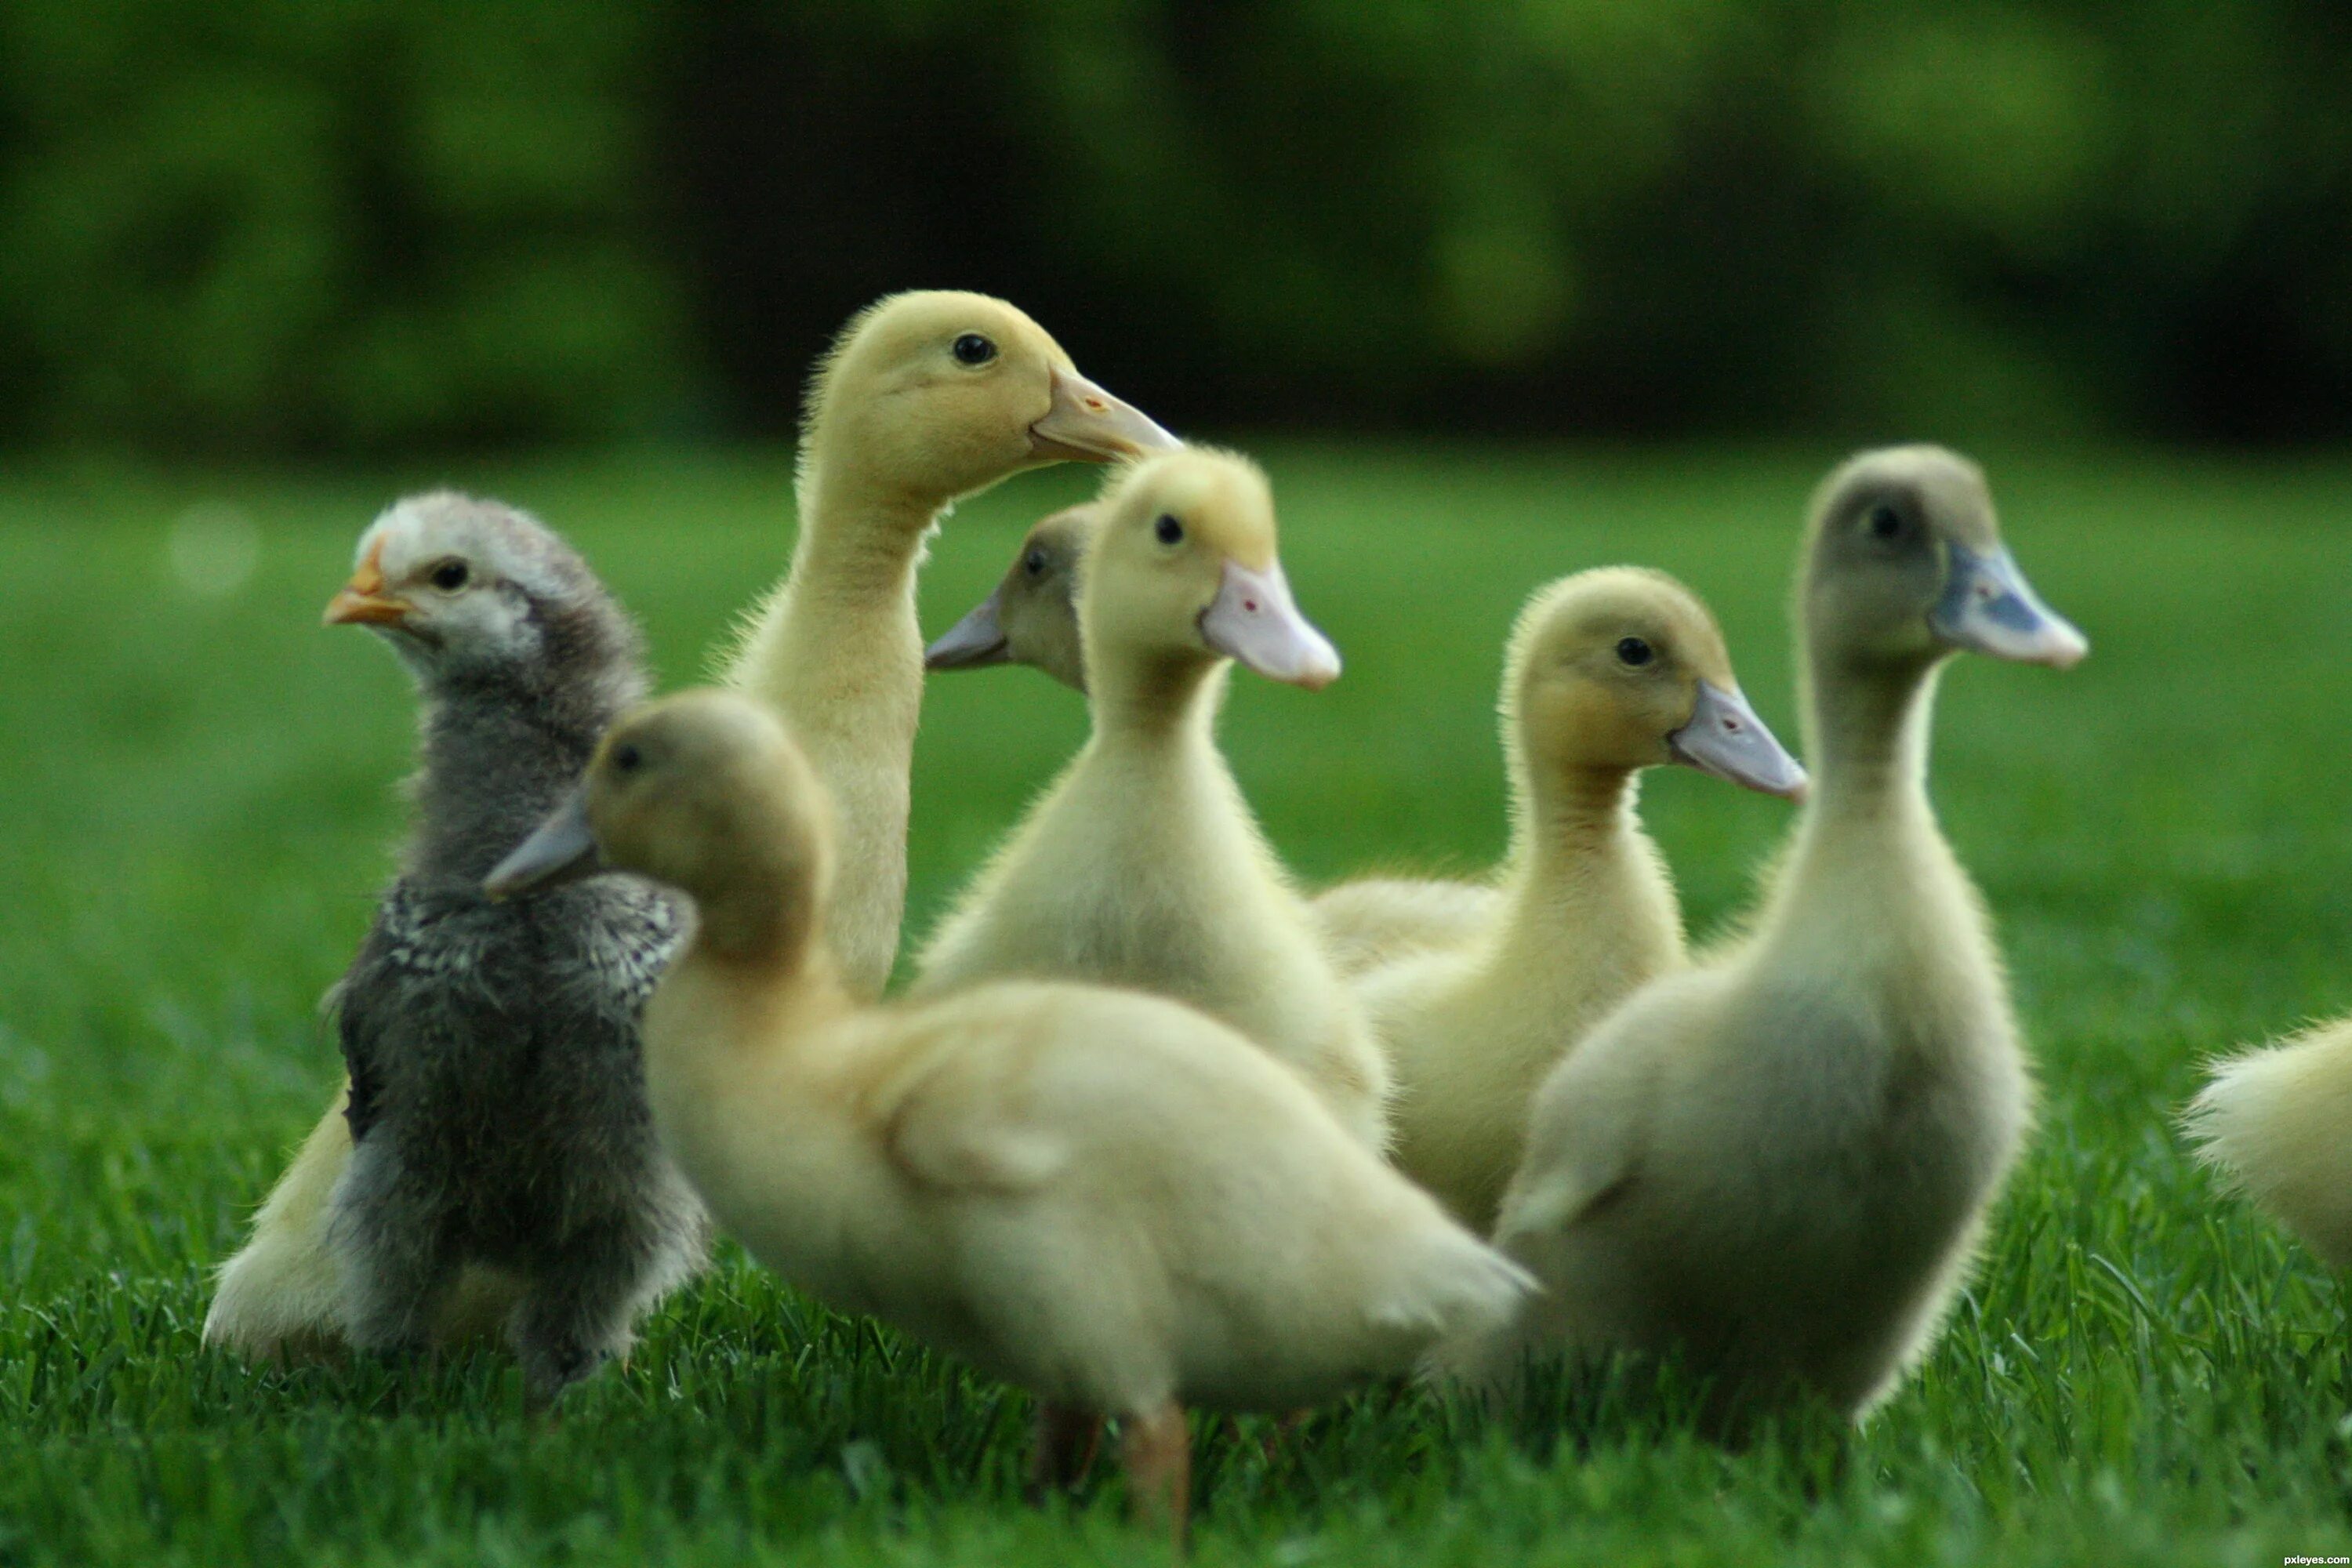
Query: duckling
(1032, 616)
(1609, 672)
(494, 1157)
(280, 1297)
(926, 397)
(1142, 866)
(2278, 1123)
(1105, 1198)
(1779, 1161)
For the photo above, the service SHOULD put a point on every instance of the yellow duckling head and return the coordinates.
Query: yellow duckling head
(1183, 570)
(705, 793)
(946, 393)
(1905, 565)
(1622, 667)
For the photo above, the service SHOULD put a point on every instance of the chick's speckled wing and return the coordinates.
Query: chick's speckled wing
(632, 932)
(445, 973)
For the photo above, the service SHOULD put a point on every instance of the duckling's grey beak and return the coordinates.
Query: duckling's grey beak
(1253, 619)
(1087, 425)
(1725, 737)
(973, 642)
(561, 850)
(1988, 607)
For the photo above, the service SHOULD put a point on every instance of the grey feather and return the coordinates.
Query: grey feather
(498, 1108)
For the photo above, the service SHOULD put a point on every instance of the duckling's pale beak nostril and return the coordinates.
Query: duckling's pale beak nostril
(1724, 737)
(1084, 423)
(1988, 607)
(1254, 620)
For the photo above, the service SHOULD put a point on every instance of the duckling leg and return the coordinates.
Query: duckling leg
(1158, 1453)
(1067, 1440)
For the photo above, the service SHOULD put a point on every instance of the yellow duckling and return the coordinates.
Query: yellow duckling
(1031, 618)
(2278, 1123)
(1142, 866)
(925, 397)
(1778, 1162)
(1107, 1198)
(1609, 672)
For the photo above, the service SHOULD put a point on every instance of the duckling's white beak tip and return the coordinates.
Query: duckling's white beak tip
(1254, 620)
(2072, 647)
(1988, 607)
(1316, 677)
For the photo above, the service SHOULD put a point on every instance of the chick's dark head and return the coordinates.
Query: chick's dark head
(473, 593)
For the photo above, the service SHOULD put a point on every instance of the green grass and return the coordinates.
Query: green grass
(199, 796)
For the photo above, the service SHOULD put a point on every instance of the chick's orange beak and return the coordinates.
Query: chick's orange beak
(363, 601)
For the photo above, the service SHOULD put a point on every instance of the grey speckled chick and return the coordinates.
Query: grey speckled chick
(498, 1110)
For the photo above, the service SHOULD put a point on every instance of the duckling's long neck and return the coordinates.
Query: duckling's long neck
(735, 1036)
(1152, 765)
(1867, 729)
(1590, 910)
(838, 654)
(1166, 705)
(1868, 848)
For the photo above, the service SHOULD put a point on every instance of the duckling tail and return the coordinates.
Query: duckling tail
(2273, 1121)
(1451, 1284)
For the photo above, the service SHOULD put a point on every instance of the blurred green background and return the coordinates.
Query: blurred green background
(345, 227)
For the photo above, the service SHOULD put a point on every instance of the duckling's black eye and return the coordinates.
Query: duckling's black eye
(1634, 651)
(450, 576)
(627, 758)
(1033, 563)
(1168, 531)
(973, 349)
(1884, 521)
